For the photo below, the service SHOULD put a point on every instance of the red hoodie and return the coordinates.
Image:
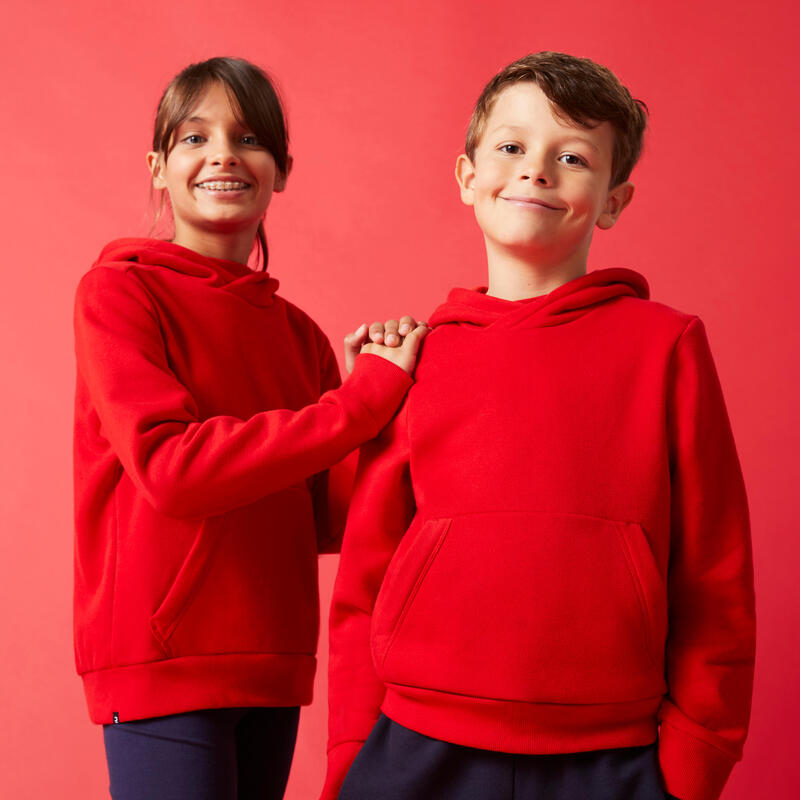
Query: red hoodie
(548, 549)
(201, 497)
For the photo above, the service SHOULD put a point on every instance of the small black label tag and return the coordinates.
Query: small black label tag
(115, 717)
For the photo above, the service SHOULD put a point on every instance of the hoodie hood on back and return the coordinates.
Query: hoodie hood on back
(257, 288)
(567, 302)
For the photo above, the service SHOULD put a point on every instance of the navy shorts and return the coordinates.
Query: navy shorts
(217, 754)
(396, 763)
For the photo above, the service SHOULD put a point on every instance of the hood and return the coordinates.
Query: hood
(567, 302)
(257, 288)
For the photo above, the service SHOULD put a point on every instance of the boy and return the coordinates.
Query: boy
(546, 579)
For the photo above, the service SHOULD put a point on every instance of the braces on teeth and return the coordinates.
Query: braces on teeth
(222, 185)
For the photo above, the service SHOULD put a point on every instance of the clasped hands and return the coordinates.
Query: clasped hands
(397, 341)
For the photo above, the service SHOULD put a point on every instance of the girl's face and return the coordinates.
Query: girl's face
(219, 178)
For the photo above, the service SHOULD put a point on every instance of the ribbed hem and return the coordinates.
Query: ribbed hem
(517, 727)
(692, 768)
(378, 385)
(172, 686)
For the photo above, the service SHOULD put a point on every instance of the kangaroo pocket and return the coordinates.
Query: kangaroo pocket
(524, 606)
(247, 584)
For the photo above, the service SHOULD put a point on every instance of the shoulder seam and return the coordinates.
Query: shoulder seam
(126, 269)
(692, 319)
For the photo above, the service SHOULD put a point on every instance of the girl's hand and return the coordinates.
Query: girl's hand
(405, 356)
(390, 333)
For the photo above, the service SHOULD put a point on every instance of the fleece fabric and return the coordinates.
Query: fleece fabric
(548, 549)
(202, 448)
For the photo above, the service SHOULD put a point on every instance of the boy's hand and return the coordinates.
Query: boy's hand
(405, 356)
(390, 333)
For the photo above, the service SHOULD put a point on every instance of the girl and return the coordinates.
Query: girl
(201, 455)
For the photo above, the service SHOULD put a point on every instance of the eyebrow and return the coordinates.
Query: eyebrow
(515, 128)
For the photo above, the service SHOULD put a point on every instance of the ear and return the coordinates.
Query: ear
(282, 177)
(465, 175)
(618, 198)
(156, 166)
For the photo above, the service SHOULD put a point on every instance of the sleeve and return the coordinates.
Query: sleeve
(380, 513)
(332, 488)
(711, 644)
(187, 466)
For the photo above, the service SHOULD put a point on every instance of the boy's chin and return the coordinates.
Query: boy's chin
(533, 246)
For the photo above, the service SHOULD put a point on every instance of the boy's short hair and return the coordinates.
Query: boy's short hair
(584, 92)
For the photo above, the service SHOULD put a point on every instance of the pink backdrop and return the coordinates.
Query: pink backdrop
(378, 96)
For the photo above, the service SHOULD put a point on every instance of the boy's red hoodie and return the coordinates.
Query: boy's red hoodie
(201, 491)
(548, 549)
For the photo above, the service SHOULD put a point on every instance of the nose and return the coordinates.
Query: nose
(534, 169)
(224, 154)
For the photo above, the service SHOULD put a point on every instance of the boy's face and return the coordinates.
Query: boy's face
(540, 184)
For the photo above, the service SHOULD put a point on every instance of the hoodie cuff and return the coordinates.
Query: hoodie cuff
(692, 768)
(340, 758)
(378, 385)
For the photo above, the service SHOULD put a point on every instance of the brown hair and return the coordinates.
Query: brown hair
(251, 92)
(584, 92)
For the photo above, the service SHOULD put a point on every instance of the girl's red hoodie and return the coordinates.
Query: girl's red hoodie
(201, 491)
(548, 549)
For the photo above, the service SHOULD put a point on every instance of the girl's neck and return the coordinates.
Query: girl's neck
(519, 275)
(233, 246)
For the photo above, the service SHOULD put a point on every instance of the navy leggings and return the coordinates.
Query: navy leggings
(396, 763)
(219, 754)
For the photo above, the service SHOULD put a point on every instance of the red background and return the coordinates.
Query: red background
(378, 97)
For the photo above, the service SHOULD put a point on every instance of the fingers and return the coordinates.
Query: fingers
(385, 333)
(376, 332)
(352, 345)
(390, 335)
(414, 339)
(392, 331)
(358, 334)
(354, 340)
(407, 324)
(404, 356)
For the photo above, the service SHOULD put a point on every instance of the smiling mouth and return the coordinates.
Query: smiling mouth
(530, 202)
(223, 186)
